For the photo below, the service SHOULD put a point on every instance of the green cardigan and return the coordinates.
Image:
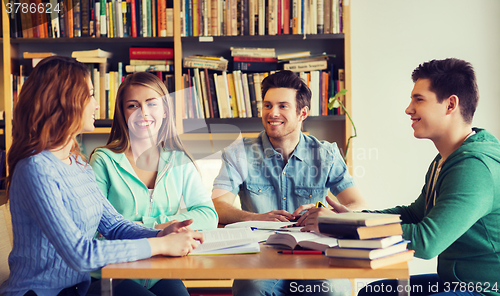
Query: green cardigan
(462, 227)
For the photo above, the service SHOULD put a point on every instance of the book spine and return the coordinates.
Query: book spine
(209, 94)
(92, 19)
(306, 67)
(77, 20)
(151, 53)
(126, 19)
(149, 68)
(255, 66)
(213, 65)
(85, 18)
(213, 96)
(170, 21)
(321, 17)
(253, 99)
(133, 18)
(102, 15)
(162, 15)
(214, 12)
(62, 19)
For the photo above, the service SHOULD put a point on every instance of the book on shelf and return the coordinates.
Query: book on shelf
(374, 243)
(366, 253)
(91, 60)
(360, 232)
(292, 55)
(37, 55)
(205, 63)
(95, 53)
(151, 53)
(360, 218)
(306, 66)
(305, 240)
(255, 66)
(151, 62)
(373, 264)
(254, 59)
(226, 241)
(148, 68)
(253, 52)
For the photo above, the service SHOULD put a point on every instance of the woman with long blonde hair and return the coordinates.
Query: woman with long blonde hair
(144, 170)
(55, 202)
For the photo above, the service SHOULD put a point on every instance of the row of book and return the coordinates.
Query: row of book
(238, 94)
(90, 18)
(260, 17)
(154, 18)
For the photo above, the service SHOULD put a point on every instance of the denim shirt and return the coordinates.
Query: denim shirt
(254, 170)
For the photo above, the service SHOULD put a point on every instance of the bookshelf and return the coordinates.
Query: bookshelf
(332, 128)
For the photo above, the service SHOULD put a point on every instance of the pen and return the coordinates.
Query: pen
(303, 252)
(258, 228)
(320, 205)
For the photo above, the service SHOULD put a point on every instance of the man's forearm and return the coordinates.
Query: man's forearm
(230, 214)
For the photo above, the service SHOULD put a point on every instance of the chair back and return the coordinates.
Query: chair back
(6, 240)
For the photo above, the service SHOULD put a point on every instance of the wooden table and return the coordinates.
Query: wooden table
(267, 264)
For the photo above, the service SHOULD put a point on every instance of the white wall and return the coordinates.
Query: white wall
(389, 39)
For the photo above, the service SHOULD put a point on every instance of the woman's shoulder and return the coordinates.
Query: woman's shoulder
(105, 154)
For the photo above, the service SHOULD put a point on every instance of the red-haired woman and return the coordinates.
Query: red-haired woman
(55, 202)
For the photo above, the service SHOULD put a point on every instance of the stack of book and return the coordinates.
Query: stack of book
(150, 59)
(368, 240)
(254, 59)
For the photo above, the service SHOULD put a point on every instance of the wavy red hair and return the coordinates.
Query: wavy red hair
(48, 113)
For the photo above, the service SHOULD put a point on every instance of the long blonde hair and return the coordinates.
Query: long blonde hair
(49, 111)
(168, 139)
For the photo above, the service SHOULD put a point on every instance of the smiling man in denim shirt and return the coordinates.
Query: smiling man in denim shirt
(281, 174)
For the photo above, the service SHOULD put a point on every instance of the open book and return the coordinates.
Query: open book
(228, 241)
(307, 240)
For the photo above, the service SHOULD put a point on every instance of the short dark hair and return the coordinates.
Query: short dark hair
(289, 79)
(451, 77)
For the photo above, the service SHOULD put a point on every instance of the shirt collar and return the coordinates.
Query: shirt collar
(300, 151)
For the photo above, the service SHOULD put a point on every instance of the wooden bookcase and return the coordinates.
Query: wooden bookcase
(331, 128)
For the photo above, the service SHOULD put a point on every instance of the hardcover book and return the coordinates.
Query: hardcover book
(366, 253)
(360, 218)
(151, 53)
(373, 264)
(360, 232)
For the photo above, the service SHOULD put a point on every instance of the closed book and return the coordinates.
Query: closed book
(374, 243)
(254, 59)
(219, 65)
(77, 18)
(143, 68)
(253, 99)
(366, 253)
(151, 53)
(95, 53)
(306, 66)
(293, 55)
(85, 18)
(360, 232)
(255, 66)
(151, 62)
(373, 264)
(297, 239)
(360, 218)
(91, 60)
(209, 93)
(213, 96)
(37, 55)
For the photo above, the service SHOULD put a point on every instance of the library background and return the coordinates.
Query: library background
(211, 54)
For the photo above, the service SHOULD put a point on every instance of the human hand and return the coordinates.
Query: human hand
(176, 243)
(337, 207)
(278, 215)
(174, 226)
(310, 219)
(296, 214)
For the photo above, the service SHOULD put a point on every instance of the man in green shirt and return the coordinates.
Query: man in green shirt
(457, 215)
